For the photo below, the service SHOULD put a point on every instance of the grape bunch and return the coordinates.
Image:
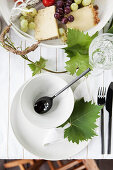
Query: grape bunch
(63, 8)
(27, 19)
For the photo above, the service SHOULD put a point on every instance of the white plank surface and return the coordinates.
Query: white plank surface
(14, 72)
(28, 74)
(4, 104)
(4, 97)
(16, 79)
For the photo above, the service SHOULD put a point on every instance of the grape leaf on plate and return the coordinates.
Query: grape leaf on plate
(78, 51)
(76, 37)
(37, 66)
(82, 122)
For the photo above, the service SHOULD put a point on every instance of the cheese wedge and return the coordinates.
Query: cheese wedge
(84, 18)
(46, 25)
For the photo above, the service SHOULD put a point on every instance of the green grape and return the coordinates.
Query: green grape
(32, 12)
(74, 7)
(86, 2)
(61, 31)
(22, 18)
(64, 38)
(25, 12)
(31, 25)
(24, 25)
(29, 18)
(24, 29)
(78, 1)
(24, 22)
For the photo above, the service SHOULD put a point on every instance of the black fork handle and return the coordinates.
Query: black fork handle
(102, 131)
(109, 133)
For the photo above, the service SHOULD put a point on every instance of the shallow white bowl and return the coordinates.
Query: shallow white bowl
(105, 12)
(46, 85)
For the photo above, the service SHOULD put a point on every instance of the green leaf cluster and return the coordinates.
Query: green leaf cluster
(78, 51)
(37, 66)
(82, 122)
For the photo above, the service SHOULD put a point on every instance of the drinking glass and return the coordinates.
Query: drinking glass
(101, 52)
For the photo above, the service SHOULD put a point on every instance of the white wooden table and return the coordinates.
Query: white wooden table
(13, 73)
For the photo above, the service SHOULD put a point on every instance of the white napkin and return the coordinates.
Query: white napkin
(54, 135)
(57, 134)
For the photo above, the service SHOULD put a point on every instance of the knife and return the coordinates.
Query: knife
(109, 109)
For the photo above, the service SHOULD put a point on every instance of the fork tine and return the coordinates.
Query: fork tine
(105, 92)
(102, 92)
(104, 89)
(98, 91)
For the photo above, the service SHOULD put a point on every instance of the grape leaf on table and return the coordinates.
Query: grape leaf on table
(78, 61)
(78, 51)
(37, 66)
(110, 30)
(82, 122)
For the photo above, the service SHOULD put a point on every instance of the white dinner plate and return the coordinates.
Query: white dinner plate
(31, 137)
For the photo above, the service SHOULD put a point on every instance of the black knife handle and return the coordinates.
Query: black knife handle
(102, 131)
(109, 133)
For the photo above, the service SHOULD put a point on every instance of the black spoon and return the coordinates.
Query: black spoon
(45, 103)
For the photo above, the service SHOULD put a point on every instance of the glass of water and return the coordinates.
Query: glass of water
(101, 52)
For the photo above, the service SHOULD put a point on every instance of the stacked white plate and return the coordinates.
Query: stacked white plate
(32, 137)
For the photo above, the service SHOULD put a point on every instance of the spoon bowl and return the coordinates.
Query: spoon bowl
(43, 104)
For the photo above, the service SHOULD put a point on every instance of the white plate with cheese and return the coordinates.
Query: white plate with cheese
(50, 30)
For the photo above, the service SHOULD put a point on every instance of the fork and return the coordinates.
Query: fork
(101, 101)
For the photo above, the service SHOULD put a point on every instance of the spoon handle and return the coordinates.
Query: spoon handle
(72, 82)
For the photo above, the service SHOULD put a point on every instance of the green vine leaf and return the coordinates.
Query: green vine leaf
(82, 122)
(78, 51)
(37, 66)
(79, 61)
(76, 37)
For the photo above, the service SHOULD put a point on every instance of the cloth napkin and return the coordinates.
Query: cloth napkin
(82, 90)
